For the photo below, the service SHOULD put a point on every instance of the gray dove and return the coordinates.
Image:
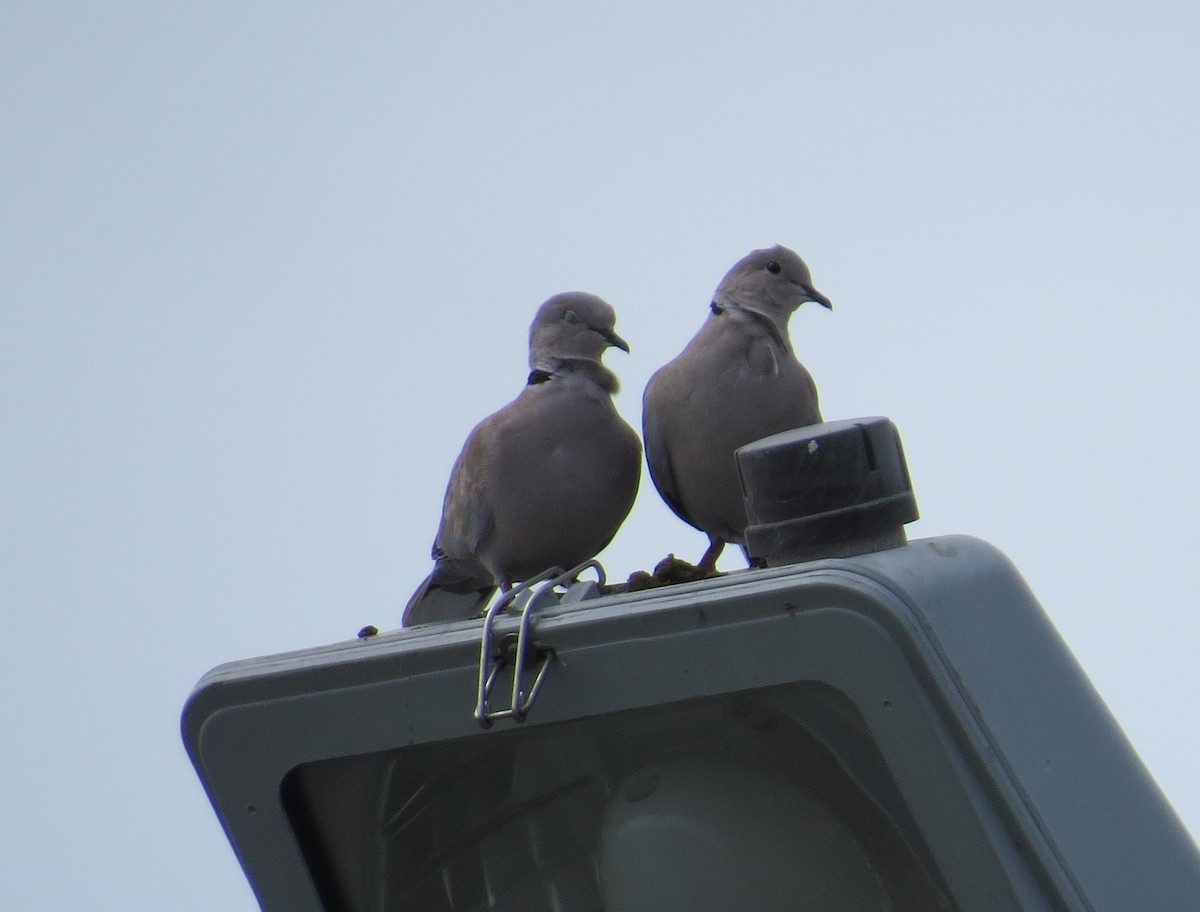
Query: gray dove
(735, 382)
(545, 481)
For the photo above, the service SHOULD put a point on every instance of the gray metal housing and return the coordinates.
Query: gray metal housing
(920, 694)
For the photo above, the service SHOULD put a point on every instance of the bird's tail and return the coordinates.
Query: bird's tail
(436, 602)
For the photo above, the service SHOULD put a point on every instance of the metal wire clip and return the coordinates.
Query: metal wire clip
(517, 649)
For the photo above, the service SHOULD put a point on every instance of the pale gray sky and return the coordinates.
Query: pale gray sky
(265, 264)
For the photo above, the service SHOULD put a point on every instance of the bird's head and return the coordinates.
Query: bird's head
(773, 281)
(573, 326)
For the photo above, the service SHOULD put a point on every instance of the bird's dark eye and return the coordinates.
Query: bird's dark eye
(773, 268)
(571, 317)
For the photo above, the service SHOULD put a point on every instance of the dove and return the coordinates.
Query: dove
(545, 481)
(736, 381)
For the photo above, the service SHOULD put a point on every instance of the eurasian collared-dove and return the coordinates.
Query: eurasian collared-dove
(737, 381)
(545, 481)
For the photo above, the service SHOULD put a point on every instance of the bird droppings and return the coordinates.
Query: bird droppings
(667, 572)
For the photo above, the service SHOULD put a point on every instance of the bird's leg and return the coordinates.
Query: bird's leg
(708, 563)
(505, 583)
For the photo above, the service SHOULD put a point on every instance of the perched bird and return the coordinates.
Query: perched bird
(735, 382)
(545, 481)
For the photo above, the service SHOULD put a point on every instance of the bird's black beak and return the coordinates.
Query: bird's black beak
(615, 340)
(816, 296)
